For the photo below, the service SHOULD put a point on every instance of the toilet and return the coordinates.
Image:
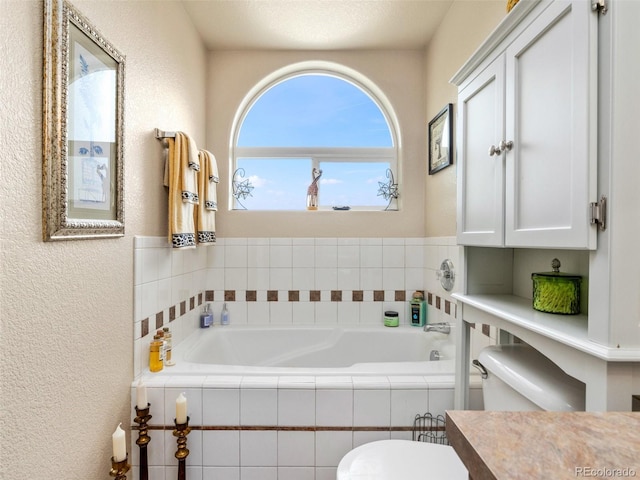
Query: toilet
(518, 378)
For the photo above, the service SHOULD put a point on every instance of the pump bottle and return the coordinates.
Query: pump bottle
(224, 316)
(206, 317)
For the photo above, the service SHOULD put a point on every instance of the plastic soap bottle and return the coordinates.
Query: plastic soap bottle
(168, 346)
(156, 360)
(418, 308)
(224, 316)
(206, 317)
(163, 350)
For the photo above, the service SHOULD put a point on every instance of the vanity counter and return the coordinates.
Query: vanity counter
(545, 445)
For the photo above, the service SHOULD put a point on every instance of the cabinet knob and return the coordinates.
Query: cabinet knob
(506, 146)
(493, 150)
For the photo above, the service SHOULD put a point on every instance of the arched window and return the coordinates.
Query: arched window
(309, 120)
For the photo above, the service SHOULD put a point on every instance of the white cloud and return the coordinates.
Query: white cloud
(377, 179)
(256, 181)
(330, 181)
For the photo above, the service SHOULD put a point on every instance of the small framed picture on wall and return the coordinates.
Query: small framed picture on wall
(440, 137)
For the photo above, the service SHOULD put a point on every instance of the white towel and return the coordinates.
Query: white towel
(183, 168)
(207, 188)
(190, 167)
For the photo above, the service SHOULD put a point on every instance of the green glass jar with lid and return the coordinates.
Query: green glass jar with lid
(556, 292)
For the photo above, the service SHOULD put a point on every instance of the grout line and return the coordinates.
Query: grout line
(316, 428)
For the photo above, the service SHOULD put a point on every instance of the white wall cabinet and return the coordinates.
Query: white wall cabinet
(527, 133)
(480, 194)
(533, 83)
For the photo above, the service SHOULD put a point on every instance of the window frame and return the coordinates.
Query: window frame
(318, 154)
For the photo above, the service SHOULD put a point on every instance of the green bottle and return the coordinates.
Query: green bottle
(418, 309)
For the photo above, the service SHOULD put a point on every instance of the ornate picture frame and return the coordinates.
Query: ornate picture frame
(440, 144)
(83, 129)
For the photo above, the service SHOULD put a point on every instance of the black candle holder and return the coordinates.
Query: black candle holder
(142, 419)
(181, 431)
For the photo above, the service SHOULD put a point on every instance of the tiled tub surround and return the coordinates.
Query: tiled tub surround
(282, 427)
(168, 288)
(284, 281)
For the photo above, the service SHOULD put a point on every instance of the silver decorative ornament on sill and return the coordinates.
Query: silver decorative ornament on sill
(241, 187)
(389, 190)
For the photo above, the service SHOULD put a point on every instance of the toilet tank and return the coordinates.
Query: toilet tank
(520, 378)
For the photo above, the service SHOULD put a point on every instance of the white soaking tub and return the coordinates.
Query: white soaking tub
(312, 350)
(292, 398)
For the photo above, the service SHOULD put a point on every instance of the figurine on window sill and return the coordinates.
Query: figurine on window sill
(312, 191)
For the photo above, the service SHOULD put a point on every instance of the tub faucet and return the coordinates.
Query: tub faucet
(443, 327)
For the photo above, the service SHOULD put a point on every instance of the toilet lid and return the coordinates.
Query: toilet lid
(401, 460)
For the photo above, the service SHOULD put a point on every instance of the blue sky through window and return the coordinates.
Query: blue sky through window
(313, 110)
(278, 183)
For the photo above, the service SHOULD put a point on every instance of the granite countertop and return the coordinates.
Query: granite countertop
(546, 445)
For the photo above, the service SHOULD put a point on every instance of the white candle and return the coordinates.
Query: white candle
(141, 395)
(181, 409)
(119, 445)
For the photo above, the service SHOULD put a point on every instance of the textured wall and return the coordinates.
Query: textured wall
(66, 307)
(461, 32)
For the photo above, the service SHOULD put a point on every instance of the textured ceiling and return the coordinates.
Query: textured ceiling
(316, 24)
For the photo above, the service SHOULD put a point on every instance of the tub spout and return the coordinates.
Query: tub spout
(443, 327)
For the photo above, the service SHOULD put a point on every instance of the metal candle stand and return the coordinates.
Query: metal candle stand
(142, 419)
(119, 469)
(181, 431)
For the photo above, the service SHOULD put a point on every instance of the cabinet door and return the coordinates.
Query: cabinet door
(551, 118)
(480, 200)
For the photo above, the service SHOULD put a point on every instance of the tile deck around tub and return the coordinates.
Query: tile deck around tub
(284, 422)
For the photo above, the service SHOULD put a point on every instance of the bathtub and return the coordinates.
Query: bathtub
(291, 401)
(313, 350)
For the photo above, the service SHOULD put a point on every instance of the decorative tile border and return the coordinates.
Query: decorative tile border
(484, 329)
(291, 296)
(159, 317)
(321, 295)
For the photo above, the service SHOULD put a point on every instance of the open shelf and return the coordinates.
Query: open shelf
(570, 330)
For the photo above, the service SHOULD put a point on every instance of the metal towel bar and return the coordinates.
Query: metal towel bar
(161, 134)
